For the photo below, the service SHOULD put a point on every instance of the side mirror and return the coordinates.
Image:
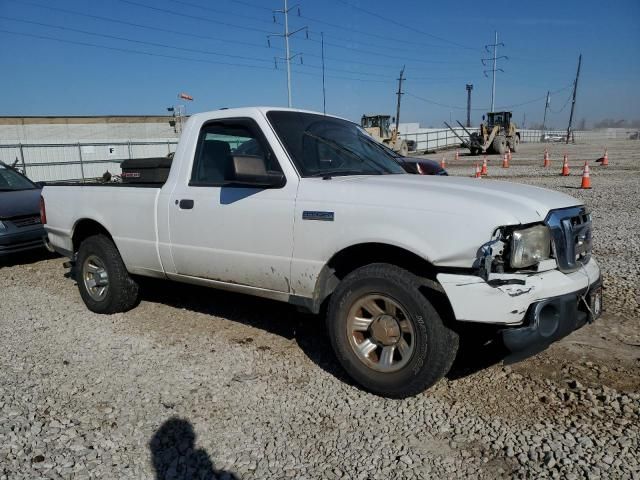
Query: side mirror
(250, 171)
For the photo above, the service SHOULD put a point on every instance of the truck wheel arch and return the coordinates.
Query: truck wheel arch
(355, 256)
(86, 227)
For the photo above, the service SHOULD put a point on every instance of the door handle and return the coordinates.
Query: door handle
(185, 204)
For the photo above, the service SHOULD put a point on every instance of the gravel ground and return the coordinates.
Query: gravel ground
(196, 383)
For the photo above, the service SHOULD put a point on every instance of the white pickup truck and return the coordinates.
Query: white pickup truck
(308, 209)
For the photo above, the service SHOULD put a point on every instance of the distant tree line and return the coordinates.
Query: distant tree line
(582, 124)
(611, 123)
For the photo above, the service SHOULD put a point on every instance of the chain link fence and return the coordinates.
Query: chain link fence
(78, 161)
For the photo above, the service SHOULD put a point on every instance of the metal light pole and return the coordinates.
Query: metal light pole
(469, 88)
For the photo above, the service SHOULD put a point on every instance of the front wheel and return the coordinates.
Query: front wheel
(404, 148)
(103, 280)
(514, 144)
(386, 334)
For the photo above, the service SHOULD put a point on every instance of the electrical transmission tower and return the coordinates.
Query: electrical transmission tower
(288, 56)
(494, 59)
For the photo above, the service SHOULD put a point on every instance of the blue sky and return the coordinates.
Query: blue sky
(221, 57)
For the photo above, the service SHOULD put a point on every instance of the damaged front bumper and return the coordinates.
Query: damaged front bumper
(549, 320)
(502, 301)
(538, 310)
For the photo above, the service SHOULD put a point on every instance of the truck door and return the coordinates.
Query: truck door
(234, 234)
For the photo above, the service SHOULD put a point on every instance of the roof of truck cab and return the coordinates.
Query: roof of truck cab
(243, 111)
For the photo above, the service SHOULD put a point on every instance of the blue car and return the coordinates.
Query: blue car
(20, 225)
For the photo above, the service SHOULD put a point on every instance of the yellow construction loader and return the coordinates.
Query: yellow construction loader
(498, 134)
(379, 127)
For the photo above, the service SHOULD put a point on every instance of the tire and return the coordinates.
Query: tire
(499, 144)
(428, 352)
(404, 149)
(99, 265)
(514, 144)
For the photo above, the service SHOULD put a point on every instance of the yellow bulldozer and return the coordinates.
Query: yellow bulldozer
(498, 134)
(379, 127)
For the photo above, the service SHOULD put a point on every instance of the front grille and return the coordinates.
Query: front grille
(571, 237)
(28, 221)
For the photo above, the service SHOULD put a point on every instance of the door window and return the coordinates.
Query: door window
(217, 145)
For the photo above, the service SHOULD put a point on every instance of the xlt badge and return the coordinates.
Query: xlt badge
(316, 215)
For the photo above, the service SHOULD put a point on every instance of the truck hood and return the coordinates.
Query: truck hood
(503, 202)
(19, 202)
(446, 220)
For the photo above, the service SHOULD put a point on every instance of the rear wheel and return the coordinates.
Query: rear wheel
(386, 334)
(104, 283)
(499, 144)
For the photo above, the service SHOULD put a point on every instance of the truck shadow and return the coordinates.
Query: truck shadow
(476, 352)
(26, 258)
(174, 456)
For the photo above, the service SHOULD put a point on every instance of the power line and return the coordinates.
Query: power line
(177, 57)
(223, 12)
(238, 42)
(194, 17)
(504, 107)
(563, 106)
(139, 25)
(408, 27)
(129, 50)
(374, 35)
(162, 45)
(141, 42)
(248, 4)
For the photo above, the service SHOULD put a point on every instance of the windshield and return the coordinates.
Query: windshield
(327, 146)
(10, 180)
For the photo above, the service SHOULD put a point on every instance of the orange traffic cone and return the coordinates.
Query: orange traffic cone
(478, 174)
(505, 161)
(565, 166)
(443, 163)
(605, 159)
(509, 153)
(457, 156)
(484, 166)
(586, 179)
(547, 162)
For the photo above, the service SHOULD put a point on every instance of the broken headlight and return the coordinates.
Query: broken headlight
(529, 246)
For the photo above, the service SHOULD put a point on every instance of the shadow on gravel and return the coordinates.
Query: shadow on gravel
(476, 353)
(174, 456)
(277, 318)
(27, 257)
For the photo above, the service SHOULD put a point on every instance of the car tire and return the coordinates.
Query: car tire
(103, 280)
(425, 347)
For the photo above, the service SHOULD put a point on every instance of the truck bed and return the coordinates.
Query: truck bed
(127, 211)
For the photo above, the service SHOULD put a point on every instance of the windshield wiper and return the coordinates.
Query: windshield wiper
(327, 174)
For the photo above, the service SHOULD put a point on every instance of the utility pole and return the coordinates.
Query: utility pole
(573, 103)
(494, 68)
(469, 88)
(324, 93)
(544, 118)
(288, 57)
(399, 96)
